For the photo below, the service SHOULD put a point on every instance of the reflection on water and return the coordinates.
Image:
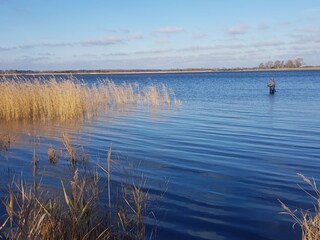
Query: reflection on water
(229, 152)
(39, 128)
(23, 141)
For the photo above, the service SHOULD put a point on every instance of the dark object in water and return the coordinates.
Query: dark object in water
(272, 86)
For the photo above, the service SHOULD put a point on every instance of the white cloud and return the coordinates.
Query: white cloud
(311, 30)
(200, 36)
(120, 30)
(36, 45)
(147, 52)
(46, 54)
(111, 40)
(306, 38)
(269, 43)
(117, 54)
(32, 58)
(167, 30)
(3, 49)
(136, 36)
(263, 27)
(102, 42)
(50, 45)
(196, 48)
(240, 29)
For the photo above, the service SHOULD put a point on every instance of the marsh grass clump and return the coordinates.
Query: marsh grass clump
(66, 99)
(52, 155)
(78, 210)
(70, 149)
(39, 99)
(39, 215)
(74, 153)
(309, 221)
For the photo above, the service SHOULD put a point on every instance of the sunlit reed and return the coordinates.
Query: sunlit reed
(64, 99)
(76, 213)
(70, 149)
(309, 221)
(52, 156)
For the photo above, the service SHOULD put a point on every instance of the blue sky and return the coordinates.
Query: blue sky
(166, 34)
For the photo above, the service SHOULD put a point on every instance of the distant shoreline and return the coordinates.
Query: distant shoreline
(119, 72)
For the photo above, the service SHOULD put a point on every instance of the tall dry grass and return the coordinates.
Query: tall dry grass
(64, 99)
(309, 221)
(77, 213)
(71, 150)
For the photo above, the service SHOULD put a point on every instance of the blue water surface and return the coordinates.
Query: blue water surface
(226, 154)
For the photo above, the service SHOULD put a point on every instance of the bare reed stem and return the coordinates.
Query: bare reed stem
(109, 176)
(71, 151)
(309, 222)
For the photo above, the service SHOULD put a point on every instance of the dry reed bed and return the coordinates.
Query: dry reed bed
(33, 213)
(309, 221)
(64, 99)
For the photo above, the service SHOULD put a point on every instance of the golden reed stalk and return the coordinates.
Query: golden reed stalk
(64, 99)
(309, 221)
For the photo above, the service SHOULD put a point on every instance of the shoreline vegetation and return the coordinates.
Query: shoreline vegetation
(308, 220)
(152, 71)
(68, 98)
(79, 210)
(92, 205)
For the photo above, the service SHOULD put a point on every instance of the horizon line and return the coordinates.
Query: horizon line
(150, 71)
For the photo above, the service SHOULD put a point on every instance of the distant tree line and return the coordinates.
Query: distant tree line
(296, 63)
(15, 71)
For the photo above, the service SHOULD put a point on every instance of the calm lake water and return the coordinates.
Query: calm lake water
(225, 155)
